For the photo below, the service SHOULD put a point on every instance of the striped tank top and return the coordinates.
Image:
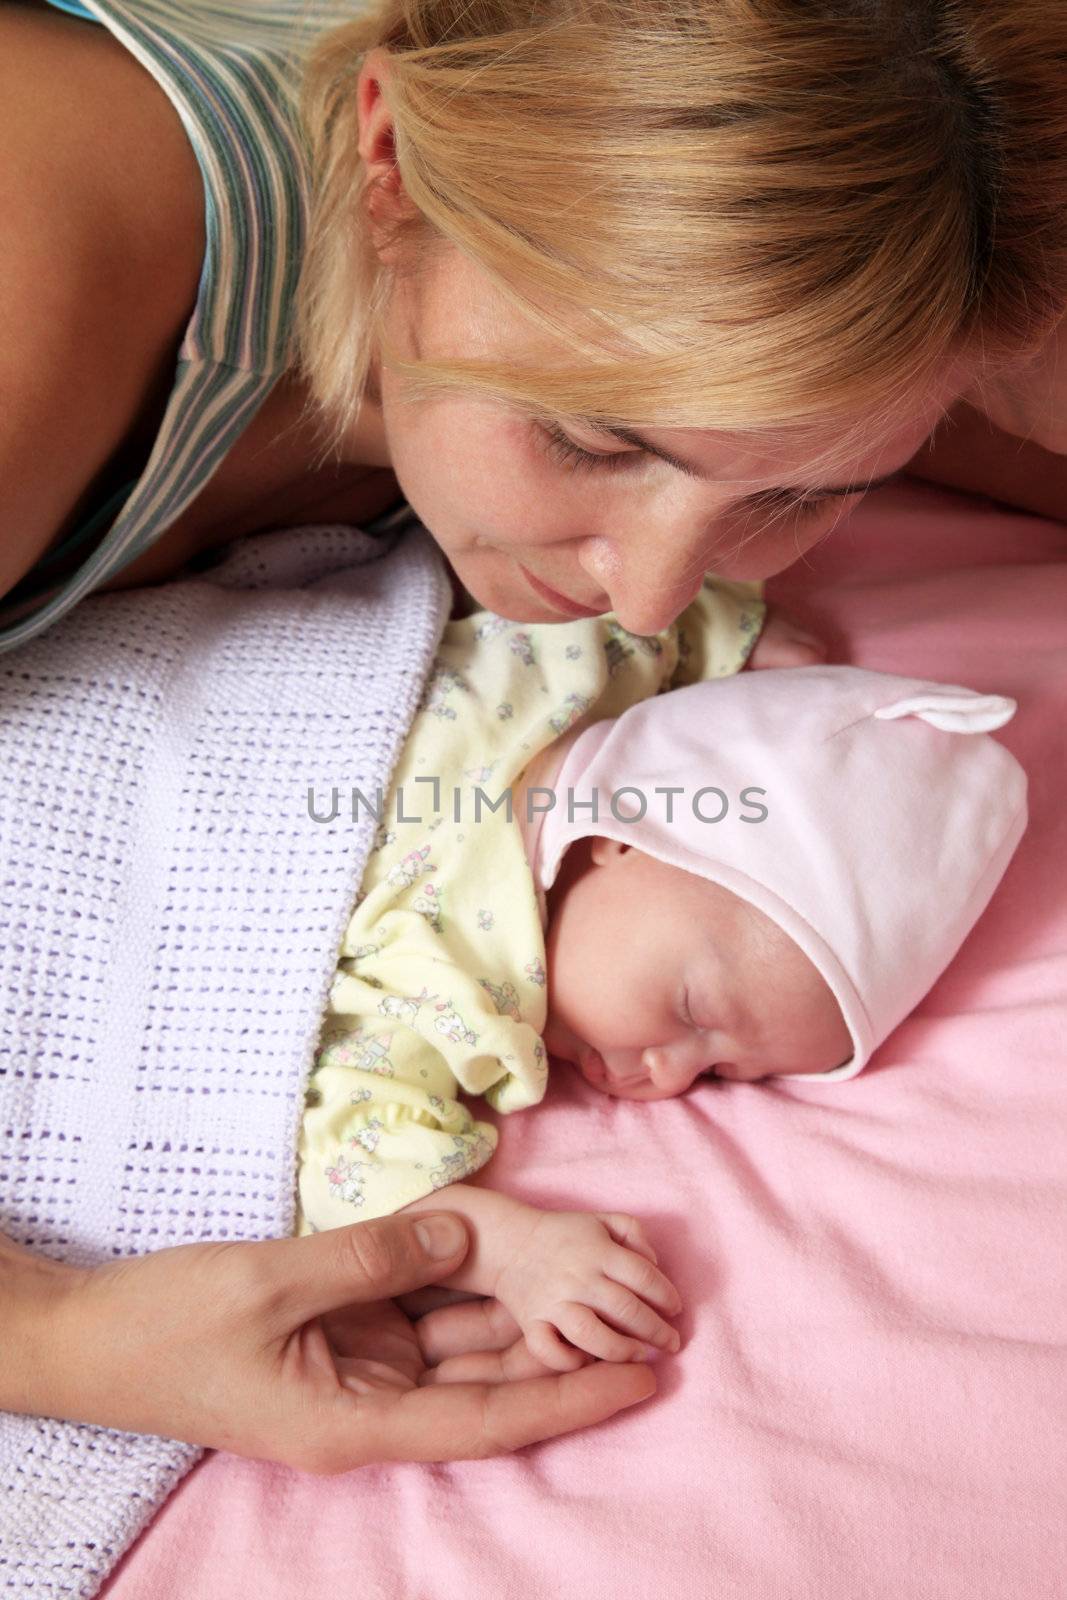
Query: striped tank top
(231, 70)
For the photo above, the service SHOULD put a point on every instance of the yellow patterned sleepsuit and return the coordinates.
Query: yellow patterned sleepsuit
(440, 981)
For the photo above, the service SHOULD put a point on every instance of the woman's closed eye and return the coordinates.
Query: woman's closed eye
(558, 447)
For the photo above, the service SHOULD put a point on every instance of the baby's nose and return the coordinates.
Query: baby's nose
(673, 1067)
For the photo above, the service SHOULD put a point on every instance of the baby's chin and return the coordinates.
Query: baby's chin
(633, 1091)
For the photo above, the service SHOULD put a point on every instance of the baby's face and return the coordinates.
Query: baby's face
(656, 976)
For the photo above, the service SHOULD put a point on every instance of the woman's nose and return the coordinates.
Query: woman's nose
(648, 588)
(650, 577)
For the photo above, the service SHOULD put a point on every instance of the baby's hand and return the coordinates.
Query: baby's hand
(574, 1268)
(784, 643)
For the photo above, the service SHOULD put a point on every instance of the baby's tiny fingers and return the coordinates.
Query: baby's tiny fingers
(545, 1344)
(646, 1280)
(631, 1312)
(584, 1328)
(626, 1230)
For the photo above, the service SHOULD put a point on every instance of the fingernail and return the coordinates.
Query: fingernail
(440, 1235)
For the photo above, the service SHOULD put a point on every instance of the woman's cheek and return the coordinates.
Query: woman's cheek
(497, 510)
(753, 557)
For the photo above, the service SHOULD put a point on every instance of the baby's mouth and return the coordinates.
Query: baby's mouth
(591, 1065)
(595, 1071)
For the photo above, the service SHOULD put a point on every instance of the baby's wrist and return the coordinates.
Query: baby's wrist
(495, 1222)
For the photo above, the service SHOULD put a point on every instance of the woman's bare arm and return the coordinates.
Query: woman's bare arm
(31, 1290)
(102, 245)
(968, 452)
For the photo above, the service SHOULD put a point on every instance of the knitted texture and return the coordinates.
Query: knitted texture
(156, 752)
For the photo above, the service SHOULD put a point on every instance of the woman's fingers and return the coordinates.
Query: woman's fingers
(460, 1422)
(420, 1301)
(489, 1366)
(363, 1376)
(369, 1261)
(459, 1330)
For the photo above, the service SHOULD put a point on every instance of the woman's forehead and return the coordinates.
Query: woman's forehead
(870, 440)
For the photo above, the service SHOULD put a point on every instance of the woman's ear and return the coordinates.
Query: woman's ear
(385, 199)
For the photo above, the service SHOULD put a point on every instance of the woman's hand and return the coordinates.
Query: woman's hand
(290, 1350)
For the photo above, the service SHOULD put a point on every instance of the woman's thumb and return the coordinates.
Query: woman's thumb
(374, 1260)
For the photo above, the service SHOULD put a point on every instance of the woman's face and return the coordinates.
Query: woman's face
(540, 538)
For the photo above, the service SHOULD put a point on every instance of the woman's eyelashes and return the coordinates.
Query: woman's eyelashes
(559, 448)
(802, 508)
(563, 450)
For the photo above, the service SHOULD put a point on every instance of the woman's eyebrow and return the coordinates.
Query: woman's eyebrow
(638, 440)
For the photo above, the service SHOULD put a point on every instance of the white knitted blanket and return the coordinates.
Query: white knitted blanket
(171, 916)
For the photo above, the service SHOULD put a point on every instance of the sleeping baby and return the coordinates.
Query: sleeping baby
(752, 874)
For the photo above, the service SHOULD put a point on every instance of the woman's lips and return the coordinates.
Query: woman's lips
(570, 608)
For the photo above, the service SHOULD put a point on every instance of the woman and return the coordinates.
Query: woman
(724, 268)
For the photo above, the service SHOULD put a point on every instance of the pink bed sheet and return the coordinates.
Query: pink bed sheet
(871, 1397)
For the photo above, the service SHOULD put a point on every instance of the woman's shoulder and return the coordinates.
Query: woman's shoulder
(104, 226)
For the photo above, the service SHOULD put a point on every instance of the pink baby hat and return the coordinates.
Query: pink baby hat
(850, 811)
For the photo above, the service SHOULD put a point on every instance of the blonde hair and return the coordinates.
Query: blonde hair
(745, 214)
